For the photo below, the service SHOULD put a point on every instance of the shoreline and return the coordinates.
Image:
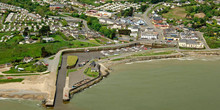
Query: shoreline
(42, 93)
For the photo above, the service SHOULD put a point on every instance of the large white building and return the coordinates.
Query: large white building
(134, 28)
(186, 43)
(149, 35)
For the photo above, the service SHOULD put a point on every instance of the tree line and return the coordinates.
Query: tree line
(93, 23)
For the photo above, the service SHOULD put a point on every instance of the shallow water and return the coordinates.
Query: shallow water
(174, 84)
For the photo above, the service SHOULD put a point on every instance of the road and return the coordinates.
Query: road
(149, 23)
(200, 35)
(72, 19)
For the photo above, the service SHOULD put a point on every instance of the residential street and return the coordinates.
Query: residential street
(200, 34)
(149, 23)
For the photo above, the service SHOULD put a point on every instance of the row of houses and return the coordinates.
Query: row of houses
(122, 21)
(5, 6)
(159, 22)
(118, 6)
(99, 14)
(187, 43)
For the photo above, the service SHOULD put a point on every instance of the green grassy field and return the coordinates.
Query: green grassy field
(90, 73)
(11, 80)
(11, 51)
(5, 33)
(94, 41)
(176, 13)
(71, 60)
(154, 53)
(118, 59)
(213, 42)
(102, 40)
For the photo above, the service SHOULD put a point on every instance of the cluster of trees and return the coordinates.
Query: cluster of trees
(44, 30)
(143, 8)
(93, 23)
(44, 52)
(90, 2)
(127, 12)
(165, 10)
(208, 10)
(124, 31)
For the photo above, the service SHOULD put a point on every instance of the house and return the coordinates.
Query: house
(145, 35)
(134, 28)
(140, 22)
(109, 21)
(20, 69)
(189, 35)
(30, 41)
(56, 7)
(171, 36)
(102, 20)
(190, 44)
(126, 20)
(48, 39)
(34, 33)
(106, 21)
(162, 25)
(149, 29)
(94, 67)
(116, 26)
(105, 14)
(93, 64)
(134, 34)
(157, 20)
(27, 59)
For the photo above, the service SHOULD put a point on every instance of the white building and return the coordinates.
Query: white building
(134, 28)
(190, 43)
(48, 39)
(149, 36)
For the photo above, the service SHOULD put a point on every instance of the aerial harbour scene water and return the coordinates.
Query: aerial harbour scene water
(109, 54)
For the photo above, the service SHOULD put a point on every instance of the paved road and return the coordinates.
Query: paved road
(200, 34)
(149, 23)
(69, 18)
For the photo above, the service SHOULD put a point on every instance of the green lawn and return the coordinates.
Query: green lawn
(94, 41)
(213, 42)
(154, 53)
(11, 80)
(28, 68)
(176, 13)
(102, 40)
(4, 33)
(22, 74)
(71, 60)
(10, 51)
(88, 72)
(118, 59)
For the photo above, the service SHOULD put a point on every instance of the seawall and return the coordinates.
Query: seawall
(103, 72)
(142, 58)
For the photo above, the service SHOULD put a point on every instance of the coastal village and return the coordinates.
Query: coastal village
(77, 38)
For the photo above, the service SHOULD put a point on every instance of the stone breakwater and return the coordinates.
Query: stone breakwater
(143, 58)
(205, 53)
(103, 72)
